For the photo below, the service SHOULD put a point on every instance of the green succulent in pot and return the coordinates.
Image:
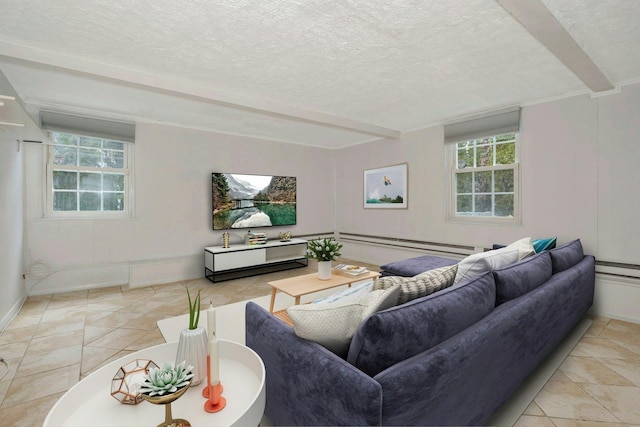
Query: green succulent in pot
(166, 380)
(323, 249)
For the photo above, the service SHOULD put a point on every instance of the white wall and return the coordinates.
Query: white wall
(618, 201)
(619, 176)
(165, 240)
(579, 180)
(12, 290)
(558, 171)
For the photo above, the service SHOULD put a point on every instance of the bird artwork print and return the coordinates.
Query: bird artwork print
(387, 181)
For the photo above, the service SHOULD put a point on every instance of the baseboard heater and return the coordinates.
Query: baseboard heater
(421, 245)
(618, 269)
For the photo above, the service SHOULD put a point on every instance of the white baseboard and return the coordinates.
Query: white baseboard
(617, 298)
(80, 278)
(133, 274)
(13, 312)
(169, 270)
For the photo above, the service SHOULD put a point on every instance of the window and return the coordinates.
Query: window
(485, 177)
(87, 176)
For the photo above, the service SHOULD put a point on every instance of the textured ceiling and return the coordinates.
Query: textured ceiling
(324, 73)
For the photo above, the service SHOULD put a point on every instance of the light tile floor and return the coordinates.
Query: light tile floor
(58, 339)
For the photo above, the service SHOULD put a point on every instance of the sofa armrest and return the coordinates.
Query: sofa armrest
(305, 383)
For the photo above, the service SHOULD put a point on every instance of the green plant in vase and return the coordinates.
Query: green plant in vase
(324, 250)
(192, 345)
(194, 309)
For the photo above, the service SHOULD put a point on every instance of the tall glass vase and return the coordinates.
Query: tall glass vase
(192, 348)
(324, 270)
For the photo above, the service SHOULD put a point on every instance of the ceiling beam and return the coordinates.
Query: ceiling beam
(185, 88)
(538, 20)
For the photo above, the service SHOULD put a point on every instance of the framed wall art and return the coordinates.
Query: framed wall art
(386, 187)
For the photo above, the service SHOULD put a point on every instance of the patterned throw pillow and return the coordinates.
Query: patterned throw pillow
(421, 285)
(332, 325)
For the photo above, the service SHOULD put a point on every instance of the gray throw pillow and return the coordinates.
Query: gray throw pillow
(420, 285)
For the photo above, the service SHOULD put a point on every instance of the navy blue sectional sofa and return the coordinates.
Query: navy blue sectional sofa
(450, 358)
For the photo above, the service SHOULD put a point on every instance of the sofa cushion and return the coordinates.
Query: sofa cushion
(566, 256)
(524, 246)
(518, 279)
(421, 285)
(332, 324)
(413, 266)
(390, 336)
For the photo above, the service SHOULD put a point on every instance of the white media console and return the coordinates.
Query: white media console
(247, 260)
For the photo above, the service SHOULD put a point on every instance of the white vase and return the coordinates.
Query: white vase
(192, 348)
(324, 270)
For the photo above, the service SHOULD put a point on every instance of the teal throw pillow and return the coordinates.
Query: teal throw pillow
(540, 245)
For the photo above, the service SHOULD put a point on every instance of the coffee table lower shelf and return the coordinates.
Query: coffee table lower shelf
(284, 316)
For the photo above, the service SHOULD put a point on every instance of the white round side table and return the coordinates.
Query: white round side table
(89, 403)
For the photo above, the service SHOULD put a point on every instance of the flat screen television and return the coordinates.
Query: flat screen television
(252, 201)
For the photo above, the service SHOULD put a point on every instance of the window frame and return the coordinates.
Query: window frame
(50, 167)
(452, 194)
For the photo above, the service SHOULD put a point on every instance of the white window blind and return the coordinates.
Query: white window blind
(483, 125)
(88, 126)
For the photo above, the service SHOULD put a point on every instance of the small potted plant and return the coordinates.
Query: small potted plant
(166, 380)
(164, 385)
(192, 345)
(324, 251)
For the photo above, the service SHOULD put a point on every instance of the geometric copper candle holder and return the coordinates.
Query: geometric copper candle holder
(126, 384)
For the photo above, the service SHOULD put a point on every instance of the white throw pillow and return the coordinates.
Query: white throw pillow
(379, 300)
(477, 264)
(524, 246)
(332, 325)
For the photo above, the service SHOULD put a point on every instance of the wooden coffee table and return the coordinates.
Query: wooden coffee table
(309, 283)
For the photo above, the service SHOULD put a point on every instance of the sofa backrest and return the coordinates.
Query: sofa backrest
(522, 277)
(390, 336)
(566, 256)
